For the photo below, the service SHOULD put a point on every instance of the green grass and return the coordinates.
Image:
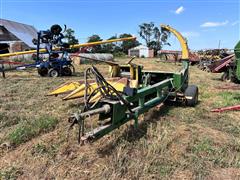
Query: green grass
(173, 141)
(228, 99)
(203, 154)
(7, 120)
(10, 173)
(30, 129)
(42, 149)
(203, 146)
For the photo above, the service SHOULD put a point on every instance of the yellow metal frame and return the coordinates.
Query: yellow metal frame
(71, 47)
(181, 39)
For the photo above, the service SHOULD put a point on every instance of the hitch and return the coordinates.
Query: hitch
(79, 118)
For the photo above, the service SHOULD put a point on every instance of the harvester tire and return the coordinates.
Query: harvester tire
(191, 95)
(53, 73)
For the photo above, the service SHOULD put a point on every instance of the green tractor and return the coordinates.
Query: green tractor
(232, 69)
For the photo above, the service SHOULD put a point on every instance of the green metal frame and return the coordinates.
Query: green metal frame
(237, 55)
(146, 97)
(142, 103)
(153, 89)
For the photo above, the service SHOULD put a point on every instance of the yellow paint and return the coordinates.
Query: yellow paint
(181, 39)
(133, 84)
(134, 76)
(132, 72)
(65, 88)
(71, 47)
(79, 92)
(114, 70)
(117, 85)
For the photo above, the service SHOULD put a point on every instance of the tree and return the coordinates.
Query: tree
(153, 36)
(95, 48)
(70, 37)
(114, 48)
(146, 32)
(126, 45)
(110, 47)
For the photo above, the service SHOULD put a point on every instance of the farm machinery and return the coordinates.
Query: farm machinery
(210, 57)
(229, 66)
(129, 92)
(58, 61)
(175, 56)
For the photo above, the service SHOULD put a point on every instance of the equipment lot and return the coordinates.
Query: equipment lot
(179, 142)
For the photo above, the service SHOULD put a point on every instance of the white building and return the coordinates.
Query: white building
(141, 51)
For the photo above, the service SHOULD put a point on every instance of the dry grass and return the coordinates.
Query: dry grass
(171, 143)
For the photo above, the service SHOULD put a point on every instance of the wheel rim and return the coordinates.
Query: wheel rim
(54, 73)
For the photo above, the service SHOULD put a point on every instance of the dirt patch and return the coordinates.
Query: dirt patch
(182, 175)
(224, 174)
(218, 137)
(180, 140)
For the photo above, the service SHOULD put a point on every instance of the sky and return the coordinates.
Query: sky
(204, 23)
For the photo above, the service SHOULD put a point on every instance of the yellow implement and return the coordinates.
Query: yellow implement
(71, 47)
(65, 88)
(79, 92)
(119, 86)
(71, 86)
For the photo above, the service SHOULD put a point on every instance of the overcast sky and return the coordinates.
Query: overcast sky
(202, 22)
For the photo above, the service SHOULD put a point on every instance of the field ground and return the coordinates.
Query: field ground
(171, 143)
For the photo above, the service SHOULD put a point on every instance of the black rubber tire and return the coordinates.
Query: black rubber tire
(53, 72)
(191, 95)
(66, 71)
(43, 72)
(225, 77)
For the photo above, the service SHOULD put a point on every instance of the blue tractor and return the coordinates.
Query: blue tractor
(58, 62)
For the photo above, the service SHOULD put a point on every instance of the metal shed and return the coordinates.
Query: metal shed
(16, 36)
(141, 51)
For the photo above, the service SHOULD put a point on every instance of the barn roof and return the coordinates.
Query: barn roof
(23, 32)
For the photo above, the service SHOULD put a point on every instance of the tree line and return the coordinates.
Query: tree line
(155, 38)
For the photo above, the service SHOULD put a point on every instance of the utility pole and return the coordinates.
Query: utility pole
(219, 43)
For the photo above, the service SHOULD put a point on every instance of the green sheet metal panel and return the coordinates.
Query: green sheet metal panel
(237, 54)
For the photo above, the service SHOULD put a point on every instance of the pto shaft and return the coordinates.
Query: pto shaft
(104, 109)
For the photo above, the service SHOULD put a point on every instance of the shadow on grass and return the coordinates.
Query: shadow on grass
(132, 134)
(237, 98)
(218, 79)
(78, 74)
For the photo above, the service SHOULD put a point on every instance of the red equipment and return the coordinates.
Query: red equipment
(220, 66)
(230, 108)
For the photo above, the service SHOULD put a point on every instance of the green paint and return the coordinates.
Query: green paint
(237, 55)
